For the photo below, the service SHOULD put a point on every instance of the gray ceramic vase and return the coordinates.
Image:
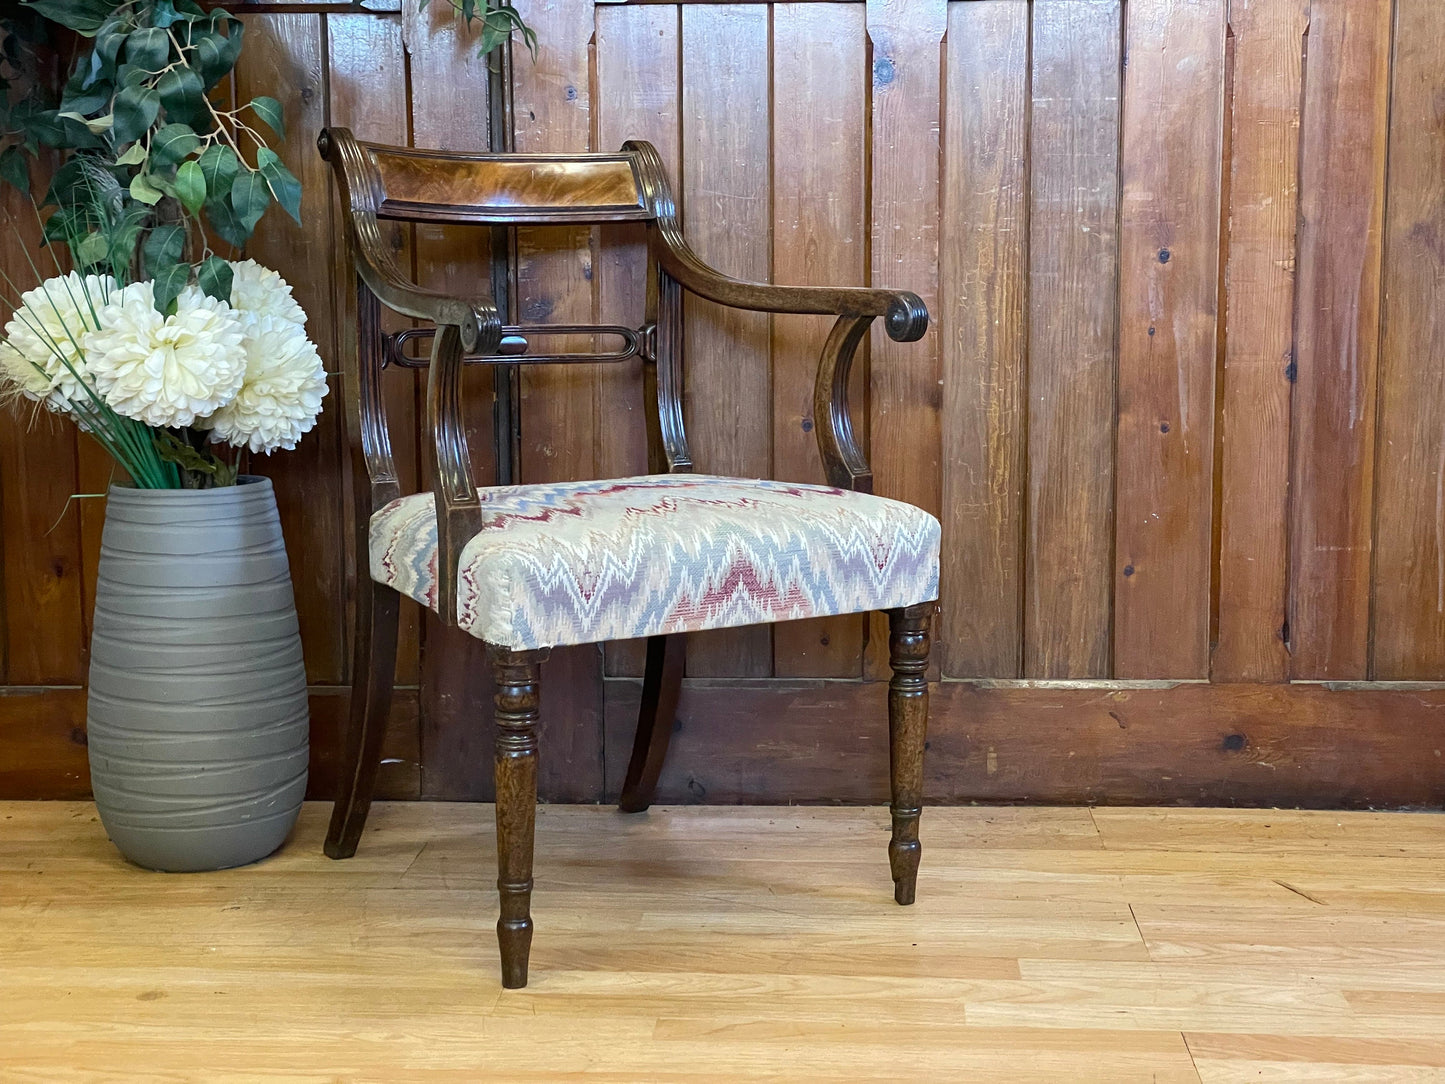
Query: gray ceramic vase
(198, 718)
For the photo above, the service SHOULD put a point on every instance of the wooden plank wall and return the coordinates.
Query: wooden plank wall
(1181, 409)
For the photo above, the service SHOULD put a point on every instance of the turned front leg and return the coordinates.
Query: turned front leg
(518, 699)
(908, 645)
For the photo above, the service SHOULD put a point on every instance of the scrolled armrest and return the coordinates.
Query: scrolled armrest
(905, 317)
(476, 320)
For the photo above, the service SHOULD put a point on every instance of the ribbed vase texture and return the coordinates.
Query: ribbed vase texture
(198, 716)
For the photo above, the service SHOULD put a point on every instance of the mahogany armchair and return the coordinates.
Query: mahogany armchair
(526, 568)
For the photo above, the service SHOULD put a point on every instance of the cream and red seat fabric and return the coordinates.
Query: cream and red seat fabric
(583, 562)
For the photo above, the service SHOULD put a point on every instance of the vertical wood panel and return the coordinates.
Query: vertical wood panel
(1342, 195)
(983, 269)
(95, 471)
(553, 97)
(1168, 319)
(1409, 576)
(289, 51)
(638, 97)
(449, 91)
(45, 641)
(553, 110)
(40, 568)
(905, 378)
(449, 102)
(1259, 339)
(726, 198)
(1073, 267)
(819, 238)
(366, 91)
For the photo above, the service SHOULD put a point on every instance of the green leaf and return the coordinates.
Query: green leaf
(149, 49)
(108, 40)
(271, 114)
(15, 169)
(214, 276)
(224, 222)
(134, 155)
(129, 75)
(95, 125)
(213, 54)
(249, 197)
(163, 248)
(89, 70)
(170, 281)
(173, 449)
(191, 186)
(42, 128)
(141, 189)
(92, 250)
(66, 224)
(136, 107)
(48, 128)
(172, 143)
(86, 100)
(123, 241)
(164, 14)
(218, 168)
(82, 16)
(183, 96)
(284, 185)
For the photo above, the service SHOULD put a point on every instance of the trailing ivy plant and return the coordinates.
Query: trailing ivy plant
(139, 106)
(496, 21)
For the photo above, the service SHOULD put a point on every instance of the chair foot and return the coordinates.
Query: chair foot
(904, 852)
(661, 688)
(514, 937)
(373, 671)
(908, 647)
(518, 700)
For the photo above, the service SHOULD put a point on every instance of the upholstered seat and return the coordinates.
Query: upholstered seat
(583, 562)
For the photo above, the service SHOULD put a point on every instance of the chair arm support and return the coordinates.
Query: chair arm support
(459, 513)
(843, 461)
(477, 321)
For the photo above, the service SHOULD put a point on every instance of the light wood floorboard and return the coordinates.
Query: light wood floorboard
(709, 944)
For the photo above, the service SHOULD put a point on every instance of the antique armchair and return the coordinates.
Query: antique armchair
(526, 568)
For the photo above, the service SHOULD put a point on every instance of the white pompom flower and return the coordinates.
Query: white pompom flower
(282, 392)
(43, 354)
(256, 290)
(166, 370)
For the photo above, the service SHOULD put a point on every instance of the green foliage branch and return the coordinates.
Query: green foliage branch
(151, 169)
(496, 22)
(140, 104)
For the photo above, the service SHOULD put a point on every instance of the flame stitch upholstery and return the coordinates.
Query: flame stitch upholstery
(583, 562)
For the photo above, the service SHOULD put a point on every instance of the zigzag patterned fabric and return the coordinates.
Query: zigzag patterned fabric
(583, 562)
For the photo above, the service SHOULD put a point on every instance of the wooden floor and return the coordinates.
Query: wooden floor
(708, 944)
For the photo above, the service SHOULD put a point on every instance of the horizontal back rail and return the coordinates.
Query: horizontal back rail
(516, 340)
(427, 186)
